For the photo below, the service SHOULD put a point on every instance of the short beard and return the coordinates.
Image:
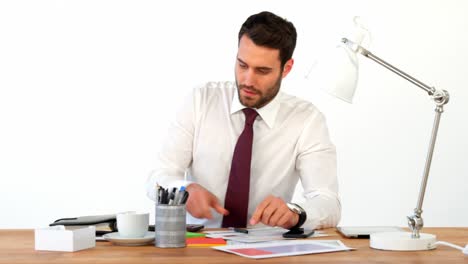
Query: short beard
(264, 100)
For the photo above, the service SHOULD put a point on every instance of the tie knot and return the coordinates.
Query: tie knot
(250, 115)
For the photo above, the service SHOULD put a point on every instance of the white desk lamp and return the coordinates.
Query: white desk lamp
(345, 80)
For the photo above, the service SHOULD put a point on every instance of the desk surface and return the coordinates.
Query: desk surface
(17, 246)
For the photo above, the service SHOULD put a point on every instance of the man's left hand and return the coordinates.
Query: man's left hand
(273, 211)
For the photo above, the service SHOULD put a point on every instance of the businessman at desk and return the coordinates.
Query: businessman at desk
(240, 148)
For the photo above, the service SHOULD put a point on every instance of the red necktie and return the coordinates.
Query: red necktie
(237, 194)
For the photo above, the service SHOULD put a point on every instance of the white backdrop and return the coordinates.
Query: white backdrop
(87, 89)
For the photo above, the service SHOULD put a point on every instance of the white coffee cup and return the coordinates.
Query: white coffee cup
(132, 224)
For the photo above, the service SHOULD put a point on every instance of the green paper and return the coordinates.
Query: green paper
(193, 234)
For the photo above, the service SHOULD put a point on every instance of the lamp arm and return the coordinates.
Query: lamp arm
(440, 97)
(415, 222)
(368, 54)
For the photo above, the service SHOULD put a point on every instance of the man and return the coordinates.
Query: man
(250, 132)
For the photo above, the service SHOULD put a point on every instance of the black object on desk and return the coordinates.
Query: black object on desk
(103, 223)
(106, 223)
(365, 231)
(298, 233)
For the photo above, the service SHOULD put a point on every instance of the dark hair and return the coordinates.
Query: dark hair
(269, 30)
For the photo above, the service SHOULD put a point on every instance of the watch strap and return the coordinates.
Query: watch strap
(302, 217)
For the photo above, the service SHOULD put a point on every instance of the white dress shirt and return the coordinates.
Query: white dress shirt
(290, 143)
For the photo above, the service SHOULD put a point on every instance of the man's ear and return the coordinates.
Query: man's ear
(287, 67)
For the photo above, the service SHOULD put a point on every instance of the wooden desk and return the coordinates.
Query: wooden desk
(17, 246)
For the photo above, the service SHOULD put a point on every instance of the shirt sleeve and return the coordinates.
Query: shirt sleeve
(175, 155)
(316, 163)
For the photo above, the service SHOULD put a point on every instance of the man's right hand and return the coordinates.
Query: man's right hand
(201, 201)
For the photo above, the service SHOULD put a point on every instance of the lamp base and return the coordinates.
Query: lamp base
(402, 241)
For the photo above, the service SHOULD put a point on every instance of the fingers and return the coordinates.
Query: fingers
(257, 216)
(206, 213)
(273, 211)
(221, 210)
(279, 213)
(288, 220)
(201, 201)
(269, 214)
(198, 209)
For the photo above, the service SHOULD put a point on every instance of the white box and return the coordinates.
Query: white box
(57, 238)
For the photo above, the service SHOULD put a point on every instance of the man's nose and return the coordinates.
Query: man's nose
(249, 78)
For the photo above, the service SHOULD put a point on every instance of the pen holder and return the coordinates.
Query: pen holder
(170, 226)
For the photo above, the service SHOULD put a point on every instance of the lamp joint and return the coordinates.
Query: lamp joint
(415, 223)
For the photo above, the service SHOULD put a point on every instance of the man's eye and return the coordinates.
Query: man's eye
(243, 66)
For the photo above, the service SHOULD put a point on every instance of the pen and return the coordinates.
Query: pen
(165, 197)
(180, 195)
(158, 193)
(172, 196)
(176, 195)
(258, 230)
(241, 230)
(185, 197)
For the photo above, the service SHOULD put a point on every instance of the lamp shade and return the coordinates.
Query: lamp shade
(337, 73)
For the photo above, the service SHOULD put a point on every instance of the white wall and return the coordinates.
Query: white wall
(87, 89)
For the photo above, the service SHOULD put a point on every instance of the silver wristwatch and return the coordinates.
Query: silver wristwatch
(300, 211)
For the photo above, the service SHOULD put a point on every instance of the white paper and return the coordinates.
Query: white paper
(284, 248)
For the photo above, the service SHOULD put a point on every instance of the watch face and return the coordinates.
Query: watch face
(294, 208)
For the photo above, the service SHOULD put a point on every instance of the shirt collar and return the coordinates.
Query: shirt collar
(267, 113)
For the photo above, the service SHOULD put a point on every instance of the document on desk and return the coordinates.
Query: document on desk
(255, 235)
(284, 248)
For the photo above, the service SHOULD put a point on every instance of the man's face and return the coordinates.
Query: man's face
(258, 73)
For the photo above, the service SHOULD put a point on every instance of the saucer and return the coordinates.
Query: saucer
(129, 241)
